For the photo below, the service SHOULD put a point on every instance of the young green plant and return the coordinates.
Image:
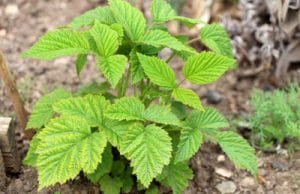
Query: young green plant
(275, 117)
(144, 139)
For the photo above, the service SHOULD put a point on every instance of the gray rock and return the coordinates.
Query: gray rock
(282, 166)
(213, 97)
(226, 187)
(248, 182)
(223, 172)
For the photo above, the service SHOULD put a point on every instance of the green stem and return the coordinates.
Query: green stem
(125, 85)
(134, 90)
(119, 88)
(142, 88)
(188, 43)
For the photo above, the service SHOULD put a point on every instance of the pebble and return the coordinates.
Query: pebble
(221, 158)
(226, 187)
(18, 185)
(213, 97)
(11, 10)
(2, 32)
(223, 172)
(248, 182)
(283, 166)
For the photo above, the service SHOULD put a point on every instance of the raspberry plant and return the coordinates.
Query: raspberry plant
(144, 139)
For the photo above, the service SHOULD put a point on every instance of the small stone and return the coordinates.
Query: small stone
(248, 182)
(221, 158)
(282, 166)
(262, 172)
(213, 97)
(223, 172)
(226, 187)
(11, 10)
(2, 32)
(260, 162)
(27, 187)
(18, 185)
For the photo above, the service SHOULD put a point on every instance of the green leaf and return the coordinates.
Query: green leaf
(179, 110)
(293, 129)
(58, 43)
(115, 130)
(149, 150)
(101, 14)
(93, 88)
(42, 110)
(131, 18)
(189, 144)
(161, 11)
(238, 150)
(113, 68)
(80, 62)
(118, 168)
(127, 108)
(159, 72)
(110, 185)
(152, 190)
(187, 97)
(189, 22)
(31, 156)
(66, 147)
(216, 38)
(136, 70)
(206, 67)
(104, 167)
(119, 29)
(127, 181)
(208, 119)
(159, 38)
(161, 114)
(176, 176)
(90, 107)
(107, 39)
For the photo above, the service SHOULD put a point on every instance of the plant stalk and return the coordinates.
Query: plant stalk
(188, 43)
(14, 95)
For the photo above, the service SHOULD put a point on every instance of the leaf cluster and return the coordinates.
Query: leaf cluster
(142, 139)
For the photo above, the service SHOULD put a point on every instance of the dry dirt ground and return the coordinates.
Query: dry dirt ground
(23, 21)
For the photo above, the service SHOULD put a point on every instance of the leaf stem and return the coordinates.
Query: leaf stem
(192, 40)
(171, 57)
(188, 43)
(125, 85)
(180, 82)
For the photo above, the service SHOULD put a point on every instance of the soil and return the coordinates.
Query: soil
(23, 21)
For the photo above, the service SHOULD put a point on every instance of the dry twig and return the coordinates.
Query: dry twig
(13, 93)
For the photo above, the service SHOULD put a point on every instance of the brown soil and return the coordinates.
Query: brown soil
(281, 173)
